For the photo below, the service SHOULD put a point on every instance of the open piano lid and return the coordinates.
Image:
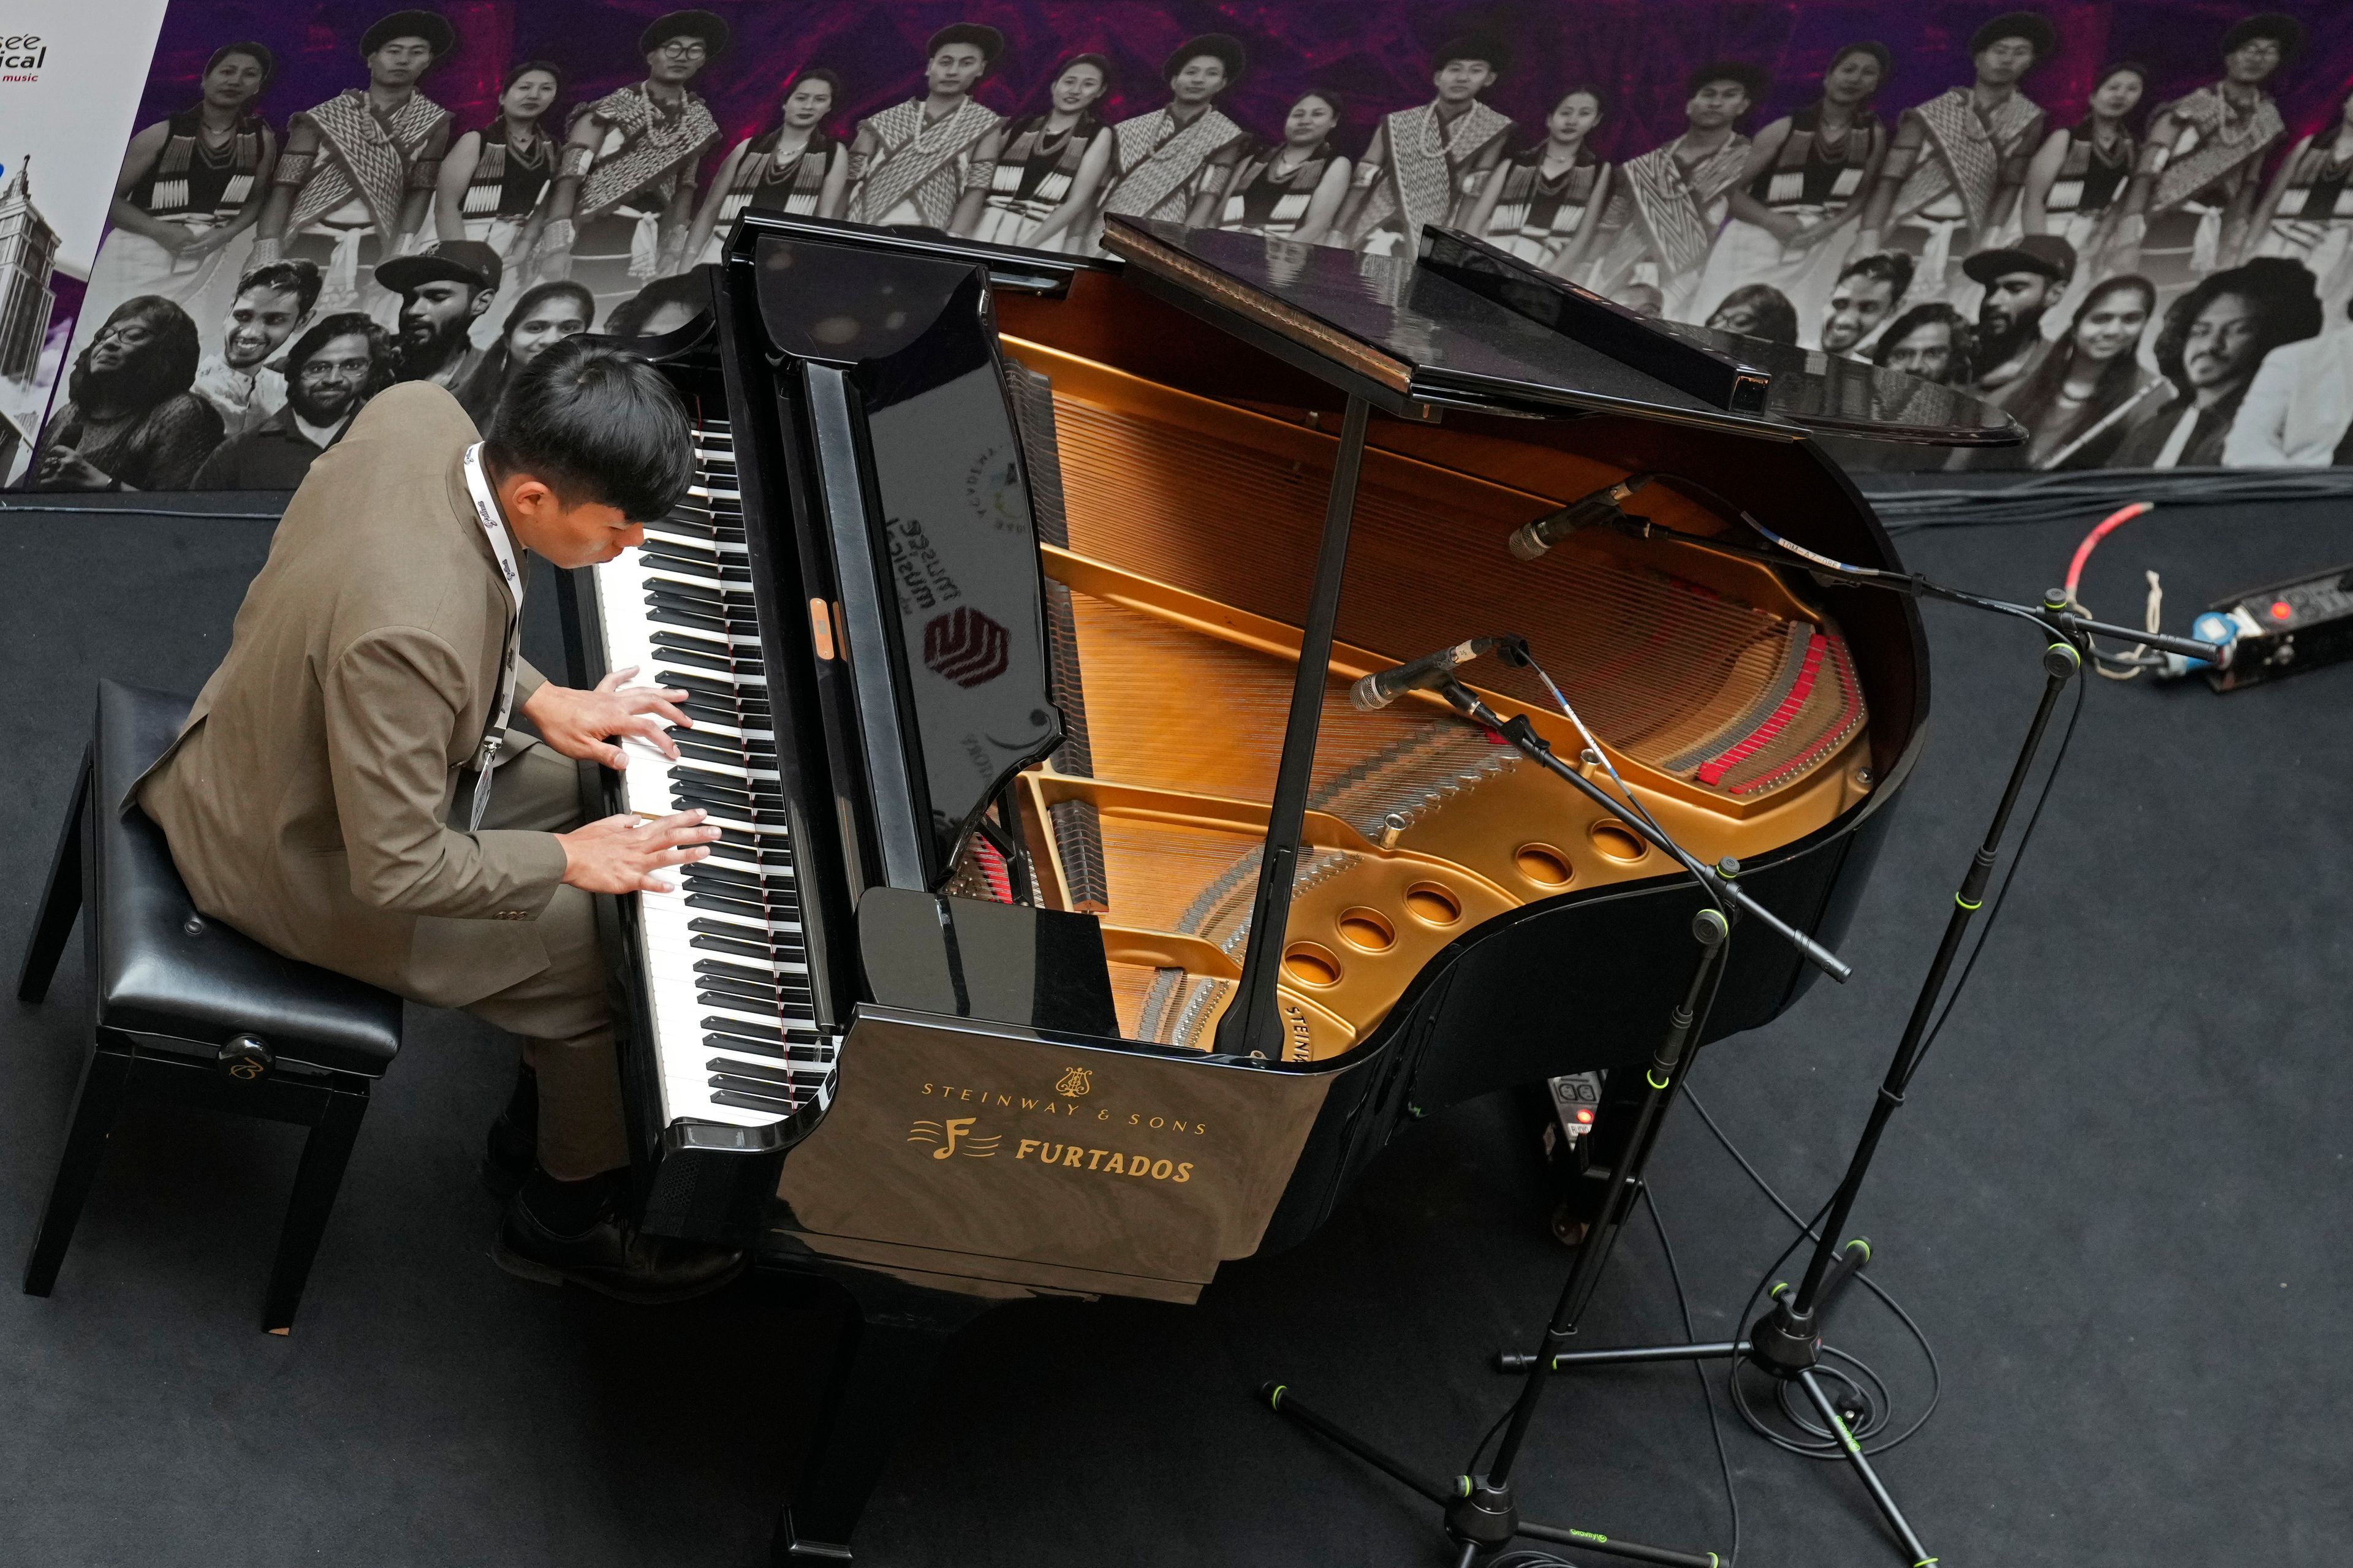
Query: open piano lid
(1465, 325)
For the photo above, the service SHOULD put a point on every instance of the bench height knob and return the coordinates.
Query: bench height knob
(246, 1057)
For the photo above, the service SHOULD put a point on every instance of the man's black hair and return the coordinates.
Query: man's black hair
(629, 317)
(598, 424)
(2286, 302)
(1892, 267)
(1962, 336)
(383, 354)
(298, 277)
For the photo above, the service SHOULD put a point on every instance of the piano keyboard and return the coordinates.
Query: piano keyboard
(727, 980)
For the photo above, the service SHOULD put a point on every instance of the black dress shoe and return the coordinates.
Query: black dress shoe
(613, 1257)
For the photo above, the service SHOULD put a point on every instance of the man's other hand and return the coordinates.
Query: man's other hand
(621, 854)
(579, 723)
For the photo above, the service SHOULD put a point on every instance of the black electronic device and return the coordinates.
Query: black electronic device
(2280, 628)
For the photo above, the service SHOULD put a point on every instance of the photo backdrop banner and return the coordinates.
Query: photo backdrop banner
(2127, 222)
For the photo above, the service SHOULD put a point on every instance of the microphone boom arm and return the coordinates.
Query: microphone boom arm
(1522, 735)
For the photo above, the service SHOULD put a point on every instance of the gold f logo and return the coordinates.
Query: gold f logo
(958, 1126)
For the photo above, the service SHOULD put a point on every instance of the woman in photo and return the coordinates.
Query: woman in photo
(2080, 397)
(1290, 189)
(1037, 161)
(493, 181)
(1544, 205)
(2307, 213)
(543, 317)
(2076, 175)
(1790, 219)
(130, 421)
(181, 224)
(796, 168)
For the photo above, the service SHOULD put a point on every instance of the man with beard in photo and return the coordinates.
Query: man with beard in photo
(443, 293)
(2214, 339)
(270, 303)
(1933, 342)
(2022, 282)
(129, 422)
(331, 373)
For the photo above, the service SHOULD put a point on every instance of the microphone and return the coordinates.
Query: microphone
(1532, 540)
(1385, 687)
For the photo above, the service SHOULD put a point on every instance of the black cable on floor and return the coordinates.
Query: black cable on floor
(2051, 498)
(13, 506)
(1706, 1393)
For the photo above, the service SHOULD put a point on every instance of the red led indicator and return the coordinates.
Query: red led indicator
(2282, 609)
(1585, 1116)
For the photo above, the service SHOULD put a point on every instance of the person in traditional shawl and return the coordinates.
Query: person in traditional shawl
(795, 168)
(356, 179)
(129, 422)
(1543, 204)
(190, 191)
(2190, 201)
(1671, 199)
(1952, 176)
(1426, 162)
(917, 165)
(2307, 213)
(1160, 163)
(624, 193)
(2214, 339)
(1791, 220)
(2079, 399)
(1288, 189)
(2077, 177)
(1035, 163)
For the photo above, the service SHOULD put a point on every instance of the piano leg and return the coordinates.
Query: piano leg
(894, 1339)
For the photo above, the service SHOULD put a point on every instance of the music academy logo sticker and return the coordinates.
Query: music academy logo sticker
(965, 647)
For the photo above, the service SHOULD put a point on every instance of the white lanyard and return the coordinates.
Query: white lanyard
(486, 510)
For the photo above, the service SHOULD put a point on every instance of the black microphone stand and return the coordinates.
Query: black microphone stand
(1786, 1344)
(1480, 1512)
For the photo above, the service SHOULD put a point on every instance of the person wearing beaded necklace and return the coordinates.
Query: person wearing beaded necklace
(1161, 161)
(917, 163)
(2073, 181)
(190, 191)
(1427, 162)
(1290, 189)
(1542, 204)
(2187, 210)
(795, 168)
(1036, 161)
(1791, 217)
(493, 180)
(2307, 213)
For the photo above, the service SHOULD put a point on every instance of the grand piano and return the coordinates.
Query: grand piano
(1072, 933)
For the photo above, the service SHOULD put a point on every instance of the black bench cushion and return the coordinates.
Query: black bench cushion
(155, 976)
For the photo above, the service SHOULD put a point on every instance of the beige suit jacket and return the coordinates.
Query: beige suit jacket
(307, 800)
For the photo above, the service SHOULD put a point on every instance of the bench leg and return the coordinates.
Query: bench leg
(324, 1155)
(105, 1084)
(62, 899)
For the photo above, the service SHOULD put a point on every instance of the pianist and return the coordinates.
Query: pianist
(322, 797)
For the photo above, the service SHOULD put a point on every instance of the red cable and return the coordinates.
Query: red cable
(2108, 525)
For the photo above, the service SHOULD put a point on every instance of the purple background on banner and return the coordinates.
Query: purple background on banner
(1373, 51)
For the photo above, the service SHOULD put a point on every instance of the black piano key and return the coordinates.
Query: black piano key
(769, 903)
(704, 873)
(708, 661)
(717, 905)
(777, 945)
(729, 944)
(702, 686)
(754, 1102)
(691, 642)
(729, 618)
(682, 618)
(744, 993)
(711, 749)
(715, 712)
(721, 968)
(746, 1030)
(761, 1077)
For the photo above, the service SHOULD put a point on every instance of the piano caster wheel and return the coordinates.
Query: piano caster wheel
(1567, 1229)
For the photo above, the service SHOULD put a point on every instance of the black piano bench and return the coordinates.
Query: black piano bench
(188, 1012)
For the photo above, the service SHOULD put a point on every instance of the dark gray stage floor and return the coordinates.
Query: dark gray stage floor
(2112, 1204)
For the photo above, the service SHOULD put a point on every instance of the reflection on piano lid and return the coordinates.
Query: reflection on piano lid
(1469, 326)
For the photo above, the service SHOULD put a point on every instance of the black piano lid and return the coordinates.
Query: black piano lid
(1409, 339)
